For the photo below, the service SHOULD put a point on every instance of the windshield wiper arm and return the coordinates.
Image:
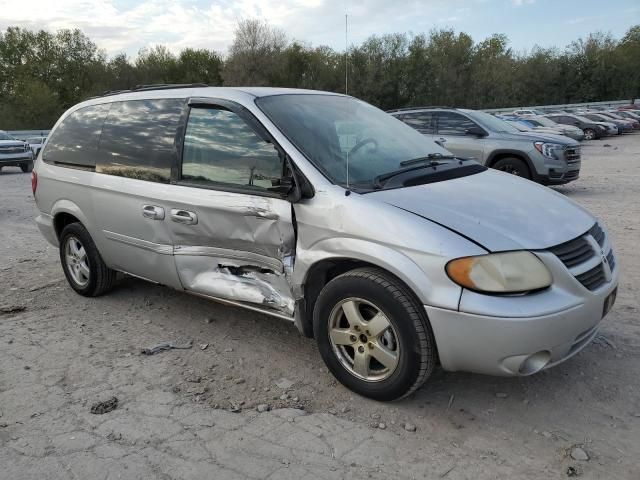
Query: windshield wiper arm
(429, 158)
(380, 180)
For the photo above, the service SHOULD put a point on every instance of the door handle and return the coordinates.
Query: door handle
(183, 216)
(153, 212)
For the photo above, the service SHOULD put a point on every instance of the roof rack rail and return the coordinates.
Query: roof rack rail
(417, 108)
(155, 86)
(167, 86)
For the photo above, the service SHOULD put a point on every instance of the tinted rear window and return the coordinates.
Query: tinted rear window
(138, 139)
(75, 140)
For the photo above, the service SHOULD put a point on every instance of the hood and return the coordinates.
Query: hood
(557, 137)
(536, 137)
(495, 209)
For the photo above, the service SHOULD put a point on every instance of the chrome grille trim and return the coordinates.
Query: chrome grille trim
(572, 154)
(598, 234)
(584, 259)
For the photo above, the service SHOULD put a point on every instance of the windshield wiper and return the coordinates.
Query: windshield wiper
(429, 158)
(380, 180)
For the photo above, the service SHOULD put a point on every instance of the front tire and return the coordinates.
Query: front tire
(27, 166)
(514, 166)
(374, 335)
(82, 264)
(589, 134)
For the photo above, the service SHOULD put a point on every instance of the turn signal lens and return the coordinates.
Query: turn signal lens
(508, 272)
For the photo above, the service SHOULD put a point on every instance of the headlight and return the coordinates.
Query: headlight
(549, 150)
(508, 272)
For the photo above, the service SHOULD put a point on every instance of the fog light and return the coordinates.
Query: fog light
(534, 363)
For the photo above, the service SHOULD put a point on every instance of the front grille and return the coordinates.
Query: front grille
(593, 278)
(598, 234)
(575, 253)
(572, 154)
(611, 260)
(12, 149)
(572, 175)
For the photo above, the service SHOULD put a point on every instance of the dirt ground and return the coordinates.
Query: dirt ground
(193, 413)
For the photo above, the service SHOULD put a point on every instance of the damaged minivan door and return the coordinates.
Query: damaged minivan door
(230, 220)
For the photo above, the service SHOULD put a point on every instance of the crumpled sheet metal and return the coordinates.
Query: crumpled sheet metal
(233, 280)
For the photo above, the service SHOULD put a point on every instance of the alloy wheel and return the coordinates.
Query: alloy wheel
(77, 261)
(363, 339)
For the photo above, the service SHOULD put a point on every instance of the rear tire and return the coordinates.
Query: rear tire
(514, 166)
(27, 166)
(82, 264)
(392, 327)
(589, 134)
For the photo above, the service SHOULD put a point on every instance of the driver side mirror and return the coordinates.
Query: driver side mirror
(475, 132)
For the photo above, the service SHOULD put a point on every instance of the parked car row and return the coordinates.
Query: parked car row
(594, 123)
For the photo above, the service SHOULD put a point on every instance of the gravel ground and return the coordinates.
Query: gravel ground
(194, 413)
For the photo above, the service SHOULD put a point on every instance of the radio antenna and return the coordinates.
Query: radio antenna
(346, 80)
(346, 54)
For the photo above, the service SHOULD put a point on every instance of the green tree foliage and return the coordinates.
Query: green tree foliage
(42, 73)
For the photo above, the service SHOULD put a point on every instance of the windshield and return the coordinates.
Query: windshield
(490, 122)
(329, 129)
(546, 122)
(597, 117)
(521, 127)
(5, 136)
(581, 118)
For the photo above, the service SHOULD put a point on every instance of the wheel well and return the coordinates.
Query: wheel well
(61, 220)
(500, 156)
(318, 276)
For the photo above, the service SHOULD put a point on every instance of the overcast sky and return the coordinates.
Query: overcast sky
(128, 25)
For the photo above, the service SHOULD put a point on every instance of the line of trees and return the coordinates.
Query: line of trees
(43, 73)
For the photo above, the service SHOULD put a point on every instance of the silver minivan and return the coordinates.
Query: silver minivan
(322, 210)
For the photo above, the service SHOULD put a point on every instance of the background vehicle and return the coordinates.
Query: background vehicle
(495, 143)
(568, 130)
(36, 144)
(592, 130)
(628, 114)
(526, 112)
(15, 153)
(524, 126)
(635, 124)
(621, 127)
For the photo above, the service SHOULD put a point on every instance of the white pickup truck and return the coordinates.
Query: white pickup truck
(15, 153)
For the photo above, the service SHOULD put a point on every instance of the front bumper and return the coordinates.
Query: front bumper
(14, 159)
(46, 227)
(504, 335)
(556, 171)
